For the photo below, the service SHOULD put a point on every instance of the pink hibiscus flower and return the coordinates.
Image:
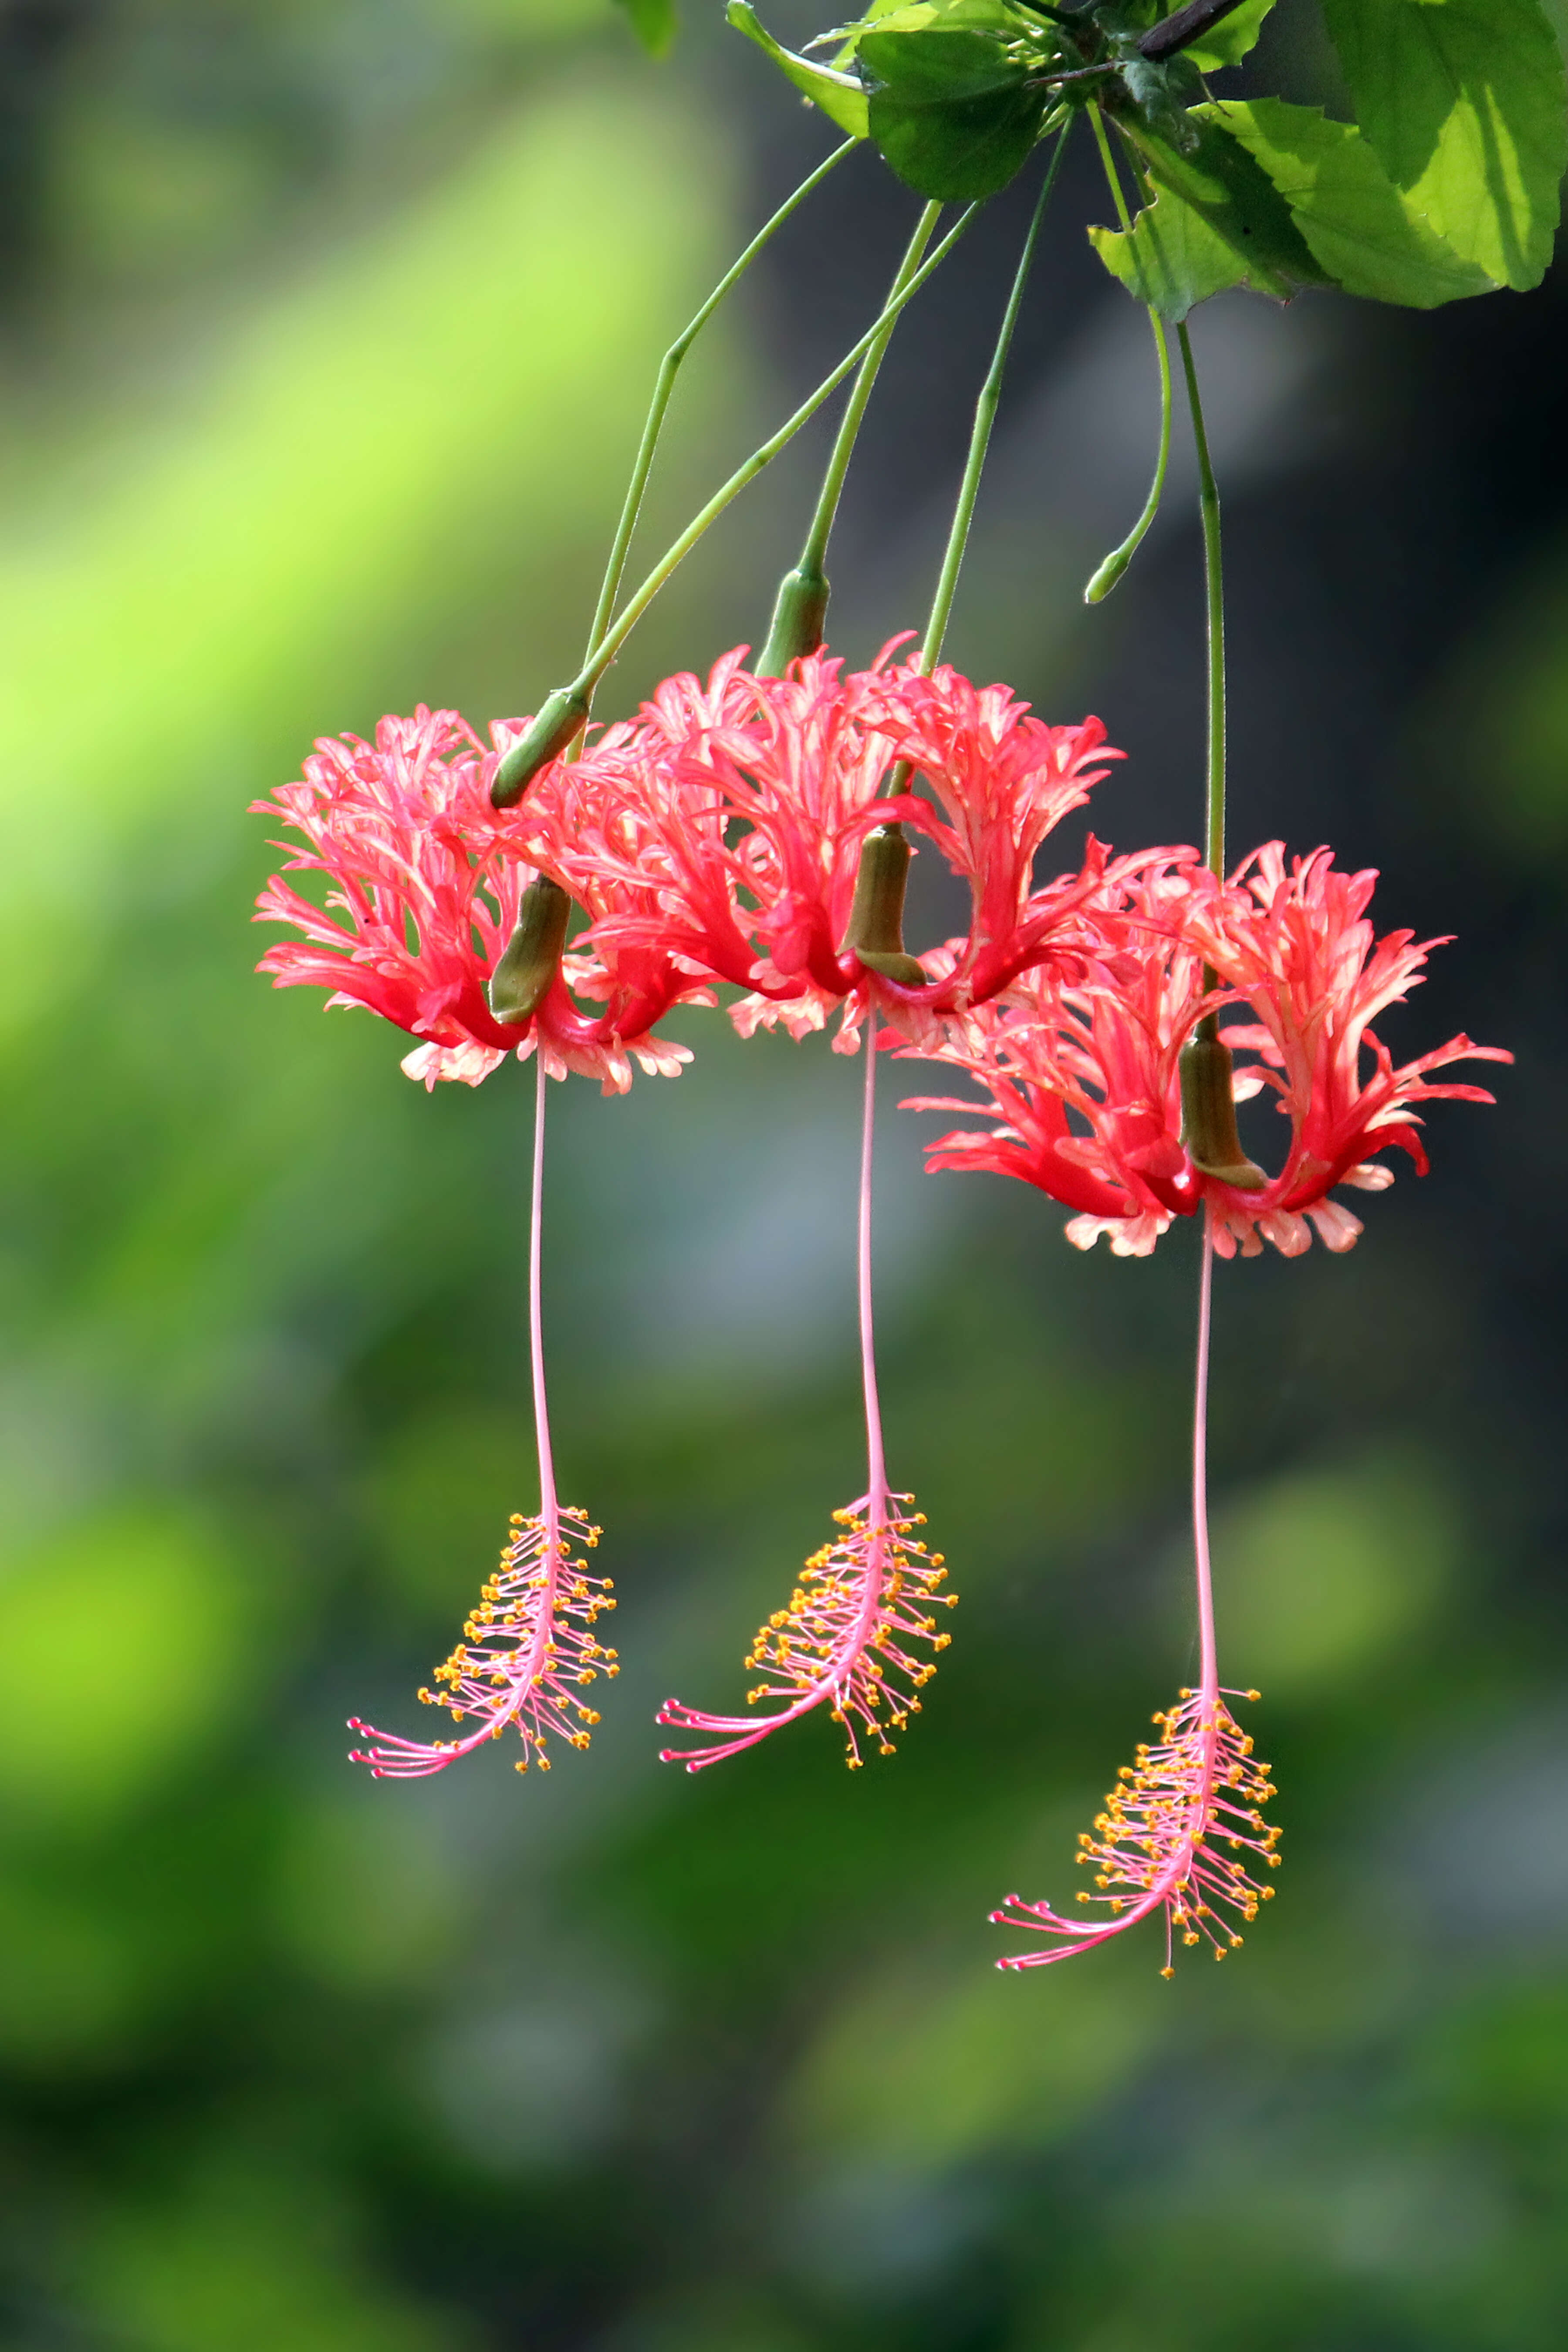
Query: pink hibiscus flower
(424, 894)
(1084, 1074)
(745, 818)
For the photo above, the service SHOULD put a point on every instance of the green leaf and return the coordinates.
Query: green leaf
(1231, 38)
(952, 113)
(961, 150)
(653, 21)
(1462, 102)
(927, 15)
(849, 35)
(839, 95)
(1170, 258)
(1368, 235)
(932, 66)
(1235, 198)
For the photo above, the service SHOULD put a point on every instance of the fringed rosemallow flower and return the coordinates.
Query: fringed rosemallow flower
(446, 931)
(432, 920)
(756, 826)
(1183, 1832)
(858, 1635)
(1114, 1088)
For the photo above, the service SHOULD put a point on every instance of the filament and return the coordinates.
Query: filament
(528, 1645)
(857, 1624)
(1183, 1830)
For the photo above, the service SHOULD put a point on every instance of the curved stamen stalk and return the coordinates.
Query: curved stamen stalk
(1109, 572)
(1187, 1807)
(844, 1640)
(529, 1645)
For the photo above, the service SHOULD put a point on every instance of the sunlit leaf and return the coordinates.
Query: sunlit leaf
(839, 95)
(1171, 257)
(1228, 41)
(1237, 200)
(947, 16)
(1462, 102)
(1368, 235)
(937, 67)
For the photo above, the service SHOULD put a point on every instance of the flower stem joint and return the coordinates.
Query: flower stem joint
(1208, 1112)
(876, 931)
(564, 714)
(800, 621)
(531, 957)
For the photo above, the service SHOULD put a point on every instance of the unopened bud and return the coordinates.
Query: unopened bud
(564, 713)
(876, 929)
(799, 622)
(1106, 577)
(531, 957)
(1208, 1112)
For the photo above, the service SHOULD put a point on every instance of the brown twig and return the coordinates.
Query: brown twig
(1187, 25)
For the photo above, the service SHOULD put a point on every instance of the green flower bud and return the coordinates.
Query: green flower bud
(799, 622)
(564, 713)
(531, 957)
(1107, 576)
(876, 929)
(1208, 1112)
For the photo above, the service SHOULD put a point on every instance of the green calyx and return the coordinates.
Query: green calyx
(564, 713)
(1208, 1112)
(799, 622)
(532, 957)
(875, 934)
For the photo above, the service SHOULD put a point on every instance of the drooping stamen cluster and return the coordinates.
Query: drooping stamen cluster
(843, 1639)
(1172, 1830)
(526, 1649)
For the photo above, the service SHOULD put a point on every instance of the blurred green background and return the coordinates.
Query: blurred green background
(326, 333)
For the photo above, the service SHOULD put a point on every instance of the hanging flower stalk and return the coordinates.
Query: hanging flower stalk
(529, 1648)
(1183, 1831)
(857, 1636)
